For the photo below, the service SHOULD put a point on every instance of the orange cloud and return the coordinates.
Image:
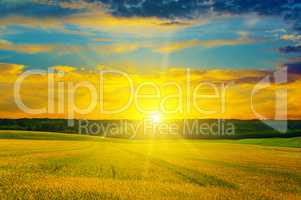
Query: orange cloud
(34, 92)
(64, 68)
(13, 69)
(100, 20)
(117, 48)
(177, 46)
(25, 48)
(37, 48)
(103, 40)
(169, 48)
(291, 37)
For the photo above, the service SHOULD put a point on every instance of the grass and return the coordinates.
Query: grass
(39, 165)
(280, 142)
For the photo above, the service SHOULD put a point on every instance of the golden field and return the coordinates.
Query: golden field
(61, 166)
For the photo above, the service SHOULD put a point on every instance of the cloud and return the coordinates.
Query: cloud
(34, 8)
(102, 21)
(37, 48)
(122, 47)
(64, 68)
(177, 46)
(176, 22)
(170, 13)
(7, 68)
(191, 9)
(8, 74)
(293, 67)
(290, 49)
(137, 25)
(117, 48)
(242, 76)
(25, 48)
(144, 18)
(103, 40)
(80, 4)
(294, 37)
(34, 94)
(172, 9)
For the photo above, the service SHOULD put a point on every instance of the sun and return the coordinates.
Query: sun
(156, 118)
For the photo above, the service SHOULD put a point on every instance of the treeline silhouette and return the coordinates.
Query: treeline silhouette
(188, 128)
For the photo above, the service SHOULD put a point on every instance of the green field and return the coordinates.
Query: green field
(35, 165)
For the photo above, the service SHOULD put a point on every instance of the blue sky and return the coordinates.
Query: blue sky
(202, 34)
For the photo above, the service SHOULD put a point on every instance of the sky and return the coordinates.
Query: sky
(218, 40)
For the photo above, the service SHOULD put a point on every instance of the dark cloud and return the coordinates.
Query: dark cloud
(179, 23)
(188, 8)
(160, 8)
(171, 9)
(34, 9)
(291, 49)
(293, 67)
(249, 79)
(289, 9)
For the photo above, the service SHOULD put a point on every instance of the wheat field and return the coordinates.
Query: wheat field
(61, 166)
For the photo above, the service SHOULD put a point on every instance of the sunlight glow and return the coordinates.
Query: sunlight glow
(156, 118)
